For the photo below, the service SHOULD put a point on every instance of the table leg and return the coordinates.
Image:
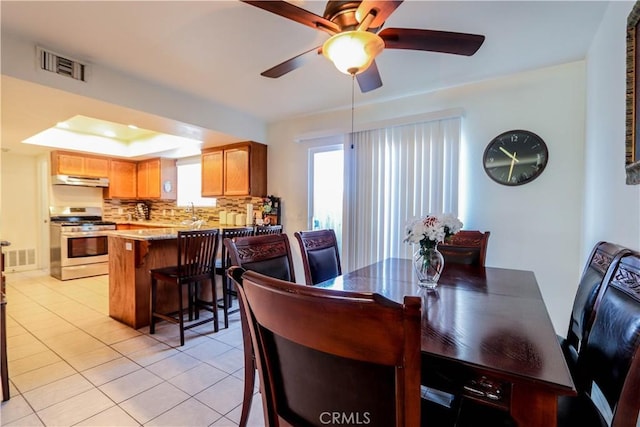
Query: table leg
(532, 406)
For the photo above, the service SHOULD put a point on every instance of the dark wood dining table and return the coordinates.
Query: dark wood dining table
(482, 322)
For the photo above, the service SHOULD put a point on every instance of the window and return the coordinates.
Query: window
(190, 183)
(327, 182)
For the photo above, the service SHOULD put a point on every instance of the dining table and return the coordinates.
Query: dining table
(486, 329)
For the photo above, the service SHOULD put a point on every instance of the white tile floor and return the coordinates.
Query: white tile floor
(71, 364)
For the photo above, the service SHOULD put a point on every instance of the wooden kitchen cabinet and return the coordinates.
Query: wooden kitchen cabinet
(235, 170)
(122, 180)
(157, 179)
(76, 164)
(212, 173)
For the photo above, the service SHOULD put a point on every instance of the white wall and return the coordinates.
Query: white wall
(21, 195)
(536, 226)
(612, 208)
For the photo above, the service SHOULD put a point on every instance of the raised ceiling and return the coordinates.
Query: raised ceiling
(217, 49)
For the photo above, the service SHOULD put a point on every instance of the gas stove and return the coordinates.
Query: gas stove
(74, 219)
(79, 242)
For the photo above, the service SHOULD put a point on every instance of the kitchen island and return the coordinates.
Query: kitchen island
(132, 253)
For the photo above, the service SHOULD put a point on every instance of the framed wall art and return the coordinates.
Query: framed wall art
(632, 134)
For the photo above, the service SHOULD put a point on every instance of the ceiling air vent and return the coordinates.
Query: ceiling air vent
(55, 63)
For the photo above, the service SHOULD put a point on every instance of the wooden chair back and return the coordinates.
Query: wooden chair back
(327, 357)
(320, 255)
(268, 254)
(466, 247)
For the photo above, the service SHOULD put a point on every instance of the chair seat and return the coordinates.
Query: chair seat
(171, 271)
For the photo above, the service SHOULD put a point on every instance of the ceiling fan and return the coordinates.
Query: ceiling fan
(360, 22)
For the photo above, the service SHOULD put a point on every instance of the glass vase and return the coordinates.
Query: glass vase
(428, 263)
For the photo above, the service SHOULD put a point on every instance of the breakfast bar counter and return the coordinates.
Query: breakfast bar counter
(132, 253)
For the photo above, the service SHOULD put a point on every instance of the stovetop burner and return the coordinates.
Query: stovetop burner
(80, 218)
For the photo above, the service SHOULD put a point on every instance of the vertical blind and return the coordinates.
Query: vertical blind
(392, 175)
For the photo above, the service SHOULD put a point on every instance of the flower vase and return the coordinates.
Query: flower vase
(428, 263)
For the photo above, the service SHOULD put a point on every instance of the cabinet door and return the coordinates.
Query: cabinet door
(122, 180)
(236, 171)
(96, 167)
(212, 174)
(142, 185)
(153, 178)
(69, 164)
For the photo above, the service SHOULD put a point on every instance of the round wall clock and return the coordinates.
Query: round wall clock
(515, 157)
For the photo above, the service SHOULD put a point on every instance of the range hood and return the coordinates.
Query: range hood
(79, 181)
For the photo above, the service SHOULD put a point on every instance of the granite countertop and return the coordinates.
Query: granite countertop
(159, 232)
(148, 233)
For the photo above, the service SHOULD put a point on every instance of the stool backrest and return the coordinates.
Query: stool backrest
(197, 250)
(268, 229)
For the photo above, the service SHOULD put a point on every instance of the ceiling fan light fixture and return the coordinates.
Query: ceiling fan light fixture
(352, 52)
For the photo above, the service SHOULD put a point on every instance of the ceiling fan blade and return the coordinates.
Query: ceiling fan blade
(430, 40)
(369, 79)
(295, 13)
(381, 9)
(291, 64)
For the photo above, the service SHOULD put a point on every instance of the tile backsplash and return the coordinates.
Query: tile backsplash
(168, 211)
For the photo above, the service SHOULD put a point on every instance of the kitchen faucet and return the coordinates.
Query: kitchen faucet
(194, 217)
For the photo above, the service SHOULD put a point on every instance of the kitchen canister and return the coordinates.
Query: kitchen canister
(241, 219)
(231, 218)
(223, 217)
(249, 214)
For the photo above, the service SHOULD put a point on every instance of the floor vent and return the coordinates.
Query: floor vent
(20, 258)
(55, 63)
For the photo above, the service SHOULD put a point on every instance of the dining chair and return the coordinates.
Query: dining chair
(609, 365)
(333, 357)
(269, 254)
(223, 263)
(466, 247)
(593, 276)
(268, 229)
(320, 255)
(197, 251)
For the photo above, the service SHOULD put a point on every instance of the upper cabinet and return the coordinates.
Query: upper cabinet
(76, 164)
(157, 179)
(235, 170)
(122, 180)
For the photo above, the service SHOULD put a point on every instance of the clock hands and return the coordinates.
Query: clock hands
(511, 156)
(514, 159)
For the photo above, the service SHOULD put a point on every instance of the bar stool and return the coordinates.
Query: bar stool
(197, 251)
(224, 263)
(268, 229)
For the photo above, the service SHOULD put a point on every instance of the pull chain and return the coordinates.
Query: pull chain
(353, 78)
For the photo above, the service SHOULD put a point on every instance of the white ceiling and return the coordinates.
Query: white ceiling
(217, 49)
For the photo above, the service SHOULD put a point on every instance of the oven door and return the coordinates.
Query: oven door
(83, 247)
